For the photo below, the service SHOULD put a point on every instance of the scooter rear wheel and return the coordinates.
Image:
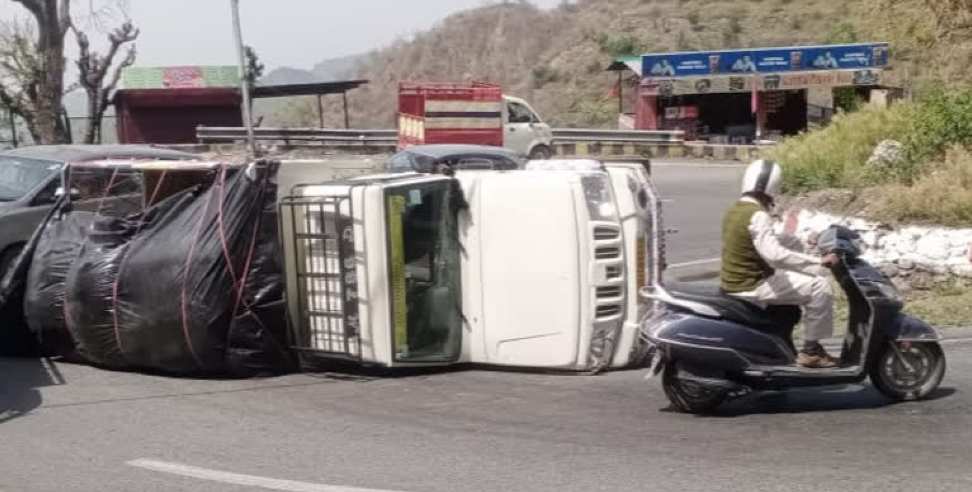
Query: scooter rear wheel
(687, 396)
(913, 378)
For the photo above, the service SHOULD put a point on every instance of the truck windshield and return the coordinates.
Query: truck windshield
(18, 176)
(424, 268)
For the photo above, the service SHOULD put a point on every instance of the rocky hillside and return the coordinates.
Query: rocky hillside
(334, 69)
(556, 58)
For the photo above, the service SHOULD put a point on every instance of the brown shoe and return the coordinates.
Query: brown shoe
(818, 358)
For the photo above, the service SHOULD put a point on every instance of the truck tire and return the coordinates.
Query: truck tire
(540, 152)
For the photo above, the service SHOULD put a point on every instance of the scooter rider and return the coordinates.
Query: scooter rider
(758, 268)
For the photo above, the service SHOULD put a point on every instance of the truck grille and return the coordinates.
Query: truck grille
(607, 311)
(603, 233)
(607, 253)
(609, 292)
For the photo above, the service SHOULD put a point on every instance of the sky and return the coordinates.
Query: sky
(295, 33)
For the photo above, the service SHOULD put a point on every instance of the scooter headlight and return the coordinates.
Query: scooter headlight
(599, 198)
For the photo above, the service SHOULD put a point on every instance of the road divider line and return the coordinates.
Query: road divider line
(242, 479)
(695, 263)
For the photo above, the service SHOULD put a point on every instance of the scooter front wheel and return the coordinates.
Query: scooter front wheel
(689, 396)
(908, 371)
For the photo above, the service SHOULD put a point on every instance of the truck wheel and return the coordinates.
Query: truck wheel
(540, 152)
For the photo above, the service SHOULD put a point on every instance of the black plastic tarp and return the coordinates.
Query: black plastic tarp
(192, 285)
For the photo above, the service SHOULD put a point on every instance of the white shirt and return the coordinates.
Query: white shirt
(769, 245)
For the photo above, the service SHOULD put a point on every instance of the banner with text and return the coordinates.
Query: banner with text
(766, 60)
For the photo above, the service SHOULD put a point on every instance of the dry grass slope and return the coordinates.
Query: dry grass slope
(556, 58)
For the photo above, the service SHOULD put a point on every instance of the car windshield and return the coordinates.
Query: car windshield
(18, 176)
(408, 161)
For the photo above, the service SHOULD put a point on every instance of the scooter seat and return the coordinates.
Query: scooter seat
(737, 310)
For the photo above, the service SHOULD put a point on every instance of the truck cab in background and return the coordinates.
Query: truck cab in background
(474, 113)
(524, 132)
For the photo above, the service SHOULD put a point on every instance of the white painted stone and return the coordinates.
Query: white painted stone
(961, 270)
(957, 262)
(933, 247)
(934, 250)
(870, 239)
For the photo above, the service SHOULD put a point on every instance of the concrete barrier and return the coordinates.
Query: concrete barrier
(742, 153)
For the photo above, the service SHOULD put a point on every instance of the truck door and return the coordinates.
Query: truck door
(424, 270)
(519, 131)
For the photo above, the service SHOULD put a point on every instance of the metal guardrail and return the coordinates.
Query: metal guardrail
(207, 134)
(383, 137)
(618, 136)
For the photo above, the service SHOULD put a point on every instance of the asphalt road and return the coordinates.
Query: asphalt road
(66, 427)
(84, 429)
(699, 194)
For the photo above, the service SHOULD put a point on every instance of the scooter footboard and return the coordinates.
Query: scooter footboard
(906, 328)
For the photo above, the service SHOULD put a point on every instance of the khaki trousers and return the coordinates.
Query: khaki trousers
(812, 292)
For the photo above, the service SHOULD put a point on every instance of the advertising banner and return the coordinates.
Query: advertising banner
(185, 77)
(676, 65)
(721, 84)
(766, 60)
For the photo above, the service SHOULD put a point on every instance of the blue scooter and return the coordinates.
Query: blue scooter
(710, 347)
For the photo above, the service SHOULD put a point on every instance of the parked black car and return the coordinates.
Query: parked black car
(31, 176)
(425, 158)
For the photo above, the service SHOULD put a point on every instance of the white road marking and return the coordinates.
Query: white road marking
(695, 263)
(240, 479)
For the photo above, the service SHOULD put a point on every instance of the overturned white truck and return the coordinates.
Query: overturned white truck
(529, 268)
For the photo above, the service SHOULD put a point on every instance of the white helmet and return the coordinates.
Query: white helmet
(763, 176)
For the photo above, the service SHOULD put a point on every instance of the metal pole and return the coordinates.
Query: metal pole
(320, 110)
(347, 119)
(13, 128)
(620, 93)
(244, 85)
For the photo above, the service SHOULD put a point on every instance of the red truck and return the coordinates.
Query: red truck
(470, 113)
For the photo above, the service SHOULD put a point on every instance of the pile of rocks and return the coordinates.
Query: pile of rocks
(916, 257)
(887, 154)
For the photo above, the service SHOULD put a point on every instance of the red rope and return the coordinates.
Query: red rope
(121, 268)
(184, 301)
(219, 220)
(246, 271)
(238, 285)
(104, 196)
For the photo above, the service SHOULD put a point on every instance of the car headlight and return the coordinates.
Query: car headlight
(599, 198)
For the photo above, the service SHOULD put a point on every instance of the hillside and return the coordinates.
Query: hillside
(556, 58)
(333, 69)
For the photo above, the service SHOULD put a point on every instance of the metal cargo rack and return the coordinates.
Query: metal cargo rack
(322, 238)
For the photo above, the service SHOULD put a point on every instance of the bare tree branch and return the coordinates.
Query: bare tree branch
(33, 72)
(93, 70)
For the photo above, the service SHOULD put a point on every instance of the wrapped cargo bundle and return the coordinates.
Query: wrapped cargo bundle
(190, 285)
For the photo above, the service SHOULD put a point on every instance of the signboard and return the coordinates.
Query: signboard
(676, 65)
(765, 60)
(180, 77)
(772, 82)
